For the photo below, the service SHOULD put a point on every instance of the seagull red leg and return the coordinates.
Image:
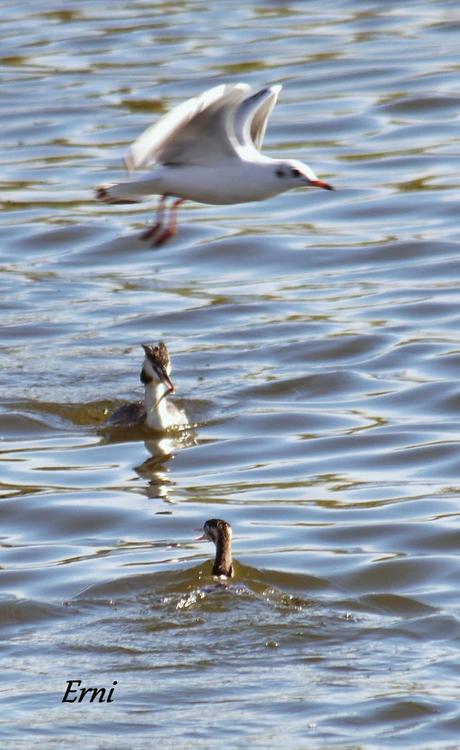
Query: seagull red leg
(149, 233)
(171, 229)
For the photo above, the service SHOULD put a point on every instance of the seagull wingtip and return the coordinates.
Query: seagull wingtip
(128, 162)
(274, 90)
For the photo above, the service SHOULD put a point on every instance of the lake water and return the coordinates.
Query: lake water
(315, 345)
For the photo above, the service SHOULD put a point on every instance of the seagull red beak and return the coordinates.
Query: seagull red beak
(322, 184)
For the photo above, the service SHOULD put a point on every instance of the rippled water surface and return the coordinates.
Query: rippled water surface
(315, 344)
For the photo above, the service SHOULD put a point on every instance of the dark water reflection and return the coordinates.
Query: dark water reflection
(315, 347)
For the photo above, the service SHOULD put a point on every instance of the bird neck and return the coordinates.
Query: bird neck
(156, 406)
(223, 565)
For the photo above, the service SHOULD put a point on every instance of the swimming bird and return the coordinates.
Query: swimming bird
(208, 150)
(154, 411)
(220, 532)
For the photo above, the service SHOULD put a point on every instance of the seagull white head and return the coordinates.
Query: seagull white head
(292, 173)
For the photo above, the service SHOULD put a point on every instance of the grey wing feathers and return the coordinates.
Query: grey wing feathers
(252, 116)
(198, 131)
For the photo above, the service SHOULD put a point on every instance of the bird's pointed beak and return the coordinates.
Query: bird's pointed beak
(165, 379)
(321, 184)
(169, 384)
(202, 538)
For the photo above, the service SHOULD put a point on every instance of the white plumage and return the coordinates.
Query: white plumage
(208, 150)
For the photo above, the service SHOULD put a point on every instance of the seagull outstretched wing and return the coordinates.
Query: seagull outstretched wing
(251, 117)
(198, 131)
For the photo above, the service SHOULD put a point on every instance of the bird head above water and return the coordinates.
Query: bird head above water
(291, 173)
(220, 532)
(156, 368)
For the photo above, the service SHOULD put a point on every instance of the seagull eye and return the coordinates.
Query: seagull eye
(280, 172)
(295, 172)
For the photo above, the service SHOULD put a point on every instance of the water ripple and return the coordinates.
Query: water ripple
(314, 341)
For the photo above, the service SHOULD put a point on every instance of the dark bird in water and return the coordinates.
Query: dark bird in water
(220, 532)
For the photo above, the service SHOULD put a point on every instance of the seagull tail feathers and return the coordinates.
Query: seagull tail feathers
(116, 193)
